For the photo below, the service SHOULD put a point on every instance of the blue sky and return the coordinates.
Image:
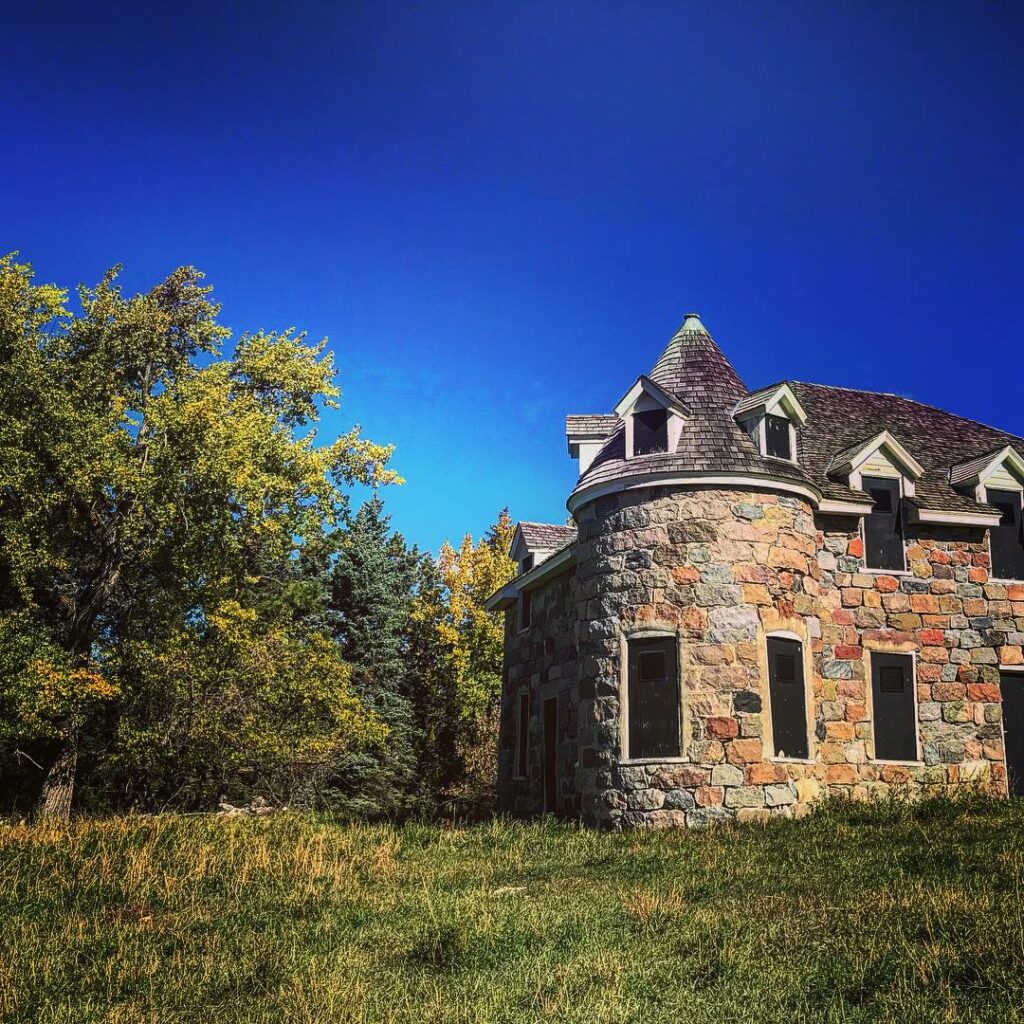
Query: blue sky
(498, 213)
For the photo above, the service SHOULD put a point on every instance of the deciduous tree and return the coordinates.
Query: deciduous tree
(144, 472)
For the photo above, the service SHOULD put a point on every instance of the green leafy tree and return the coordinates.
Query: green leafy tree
(459, 646)
(144, 474)
(234, 704)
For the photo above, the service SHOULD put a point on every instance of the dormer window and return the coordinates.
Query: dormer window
(526, 563)
(887, 472)
(1007, 539)
(883, 525)
(997, 479)
(777, 441)
(770, 416)
(653, 419)
(650, 432)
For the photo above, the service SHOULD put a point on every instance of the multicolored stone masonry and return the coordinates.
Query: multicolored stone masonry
(720, 570)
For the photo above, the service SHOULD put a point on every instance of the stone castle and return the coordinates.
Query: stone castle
(765, 597)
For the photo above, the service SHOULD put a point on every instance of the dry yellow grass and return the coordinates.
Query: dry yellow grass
(892, 914)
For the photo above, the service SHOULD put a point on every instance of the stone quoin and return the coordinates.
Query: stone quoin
(763, 598)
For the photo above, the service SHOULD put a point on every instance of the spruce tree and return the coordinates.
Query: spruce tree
(370, 598)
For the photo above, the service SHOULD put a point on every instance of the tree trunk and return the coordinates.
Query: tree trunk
(59, 787)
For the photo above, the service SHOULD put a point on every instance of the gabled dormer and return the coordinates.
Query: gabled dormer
(771, 417)
(533, 543)
(653, 418)
(887, 472)
(997, 479)
(879, 457)
(999, 470)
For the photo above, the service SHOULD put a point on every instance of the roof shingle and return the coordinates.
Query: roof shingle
(839, 421)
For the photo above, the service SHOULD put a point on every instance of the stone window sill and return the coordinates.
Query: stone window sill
(792, 760)
(902, 764)
(627, 761)
(1006, 583)
(888, 572)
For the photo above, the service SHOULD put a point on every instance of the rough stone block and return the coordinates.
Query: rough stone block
(779, 796)
(726, 775)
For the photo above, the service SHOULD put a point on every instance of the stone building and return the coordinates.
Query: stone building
(765, 597)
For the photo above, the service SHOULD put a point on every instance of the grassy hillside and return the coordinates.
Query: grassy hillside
(850, 916)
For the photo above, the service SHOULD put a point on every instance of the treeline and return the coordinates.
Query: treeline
(190, 606)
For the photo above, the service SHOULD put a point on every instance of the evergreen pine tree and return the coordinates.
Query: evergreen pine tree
(371, 589)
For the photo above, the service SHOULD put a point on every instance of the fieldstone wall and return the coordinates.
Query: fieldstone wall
(720, 570)
(717, 569)
(961, 627)
(540, 660)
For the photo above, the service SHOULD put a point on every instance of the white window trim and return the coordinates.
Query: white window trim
(756, 421)
(870, 706)
(862, 529)
(912, 469)
(768, 740)
(648, 633)
(1008, 458)
(673, 430)
(983, 496)
(763, 435)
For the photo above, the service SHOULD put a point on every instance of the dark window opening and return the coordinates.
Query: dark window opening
(650, 432)
(777, 440)
(653, 698)
(523, 735)
(525, 608)
(788, 701)
(890, 679)
(895, 723)
(1007, 539)
(527, 563)
(883, 525)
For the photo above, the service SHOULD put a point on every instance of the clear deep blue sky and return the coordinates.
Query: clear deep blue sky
(498, 213)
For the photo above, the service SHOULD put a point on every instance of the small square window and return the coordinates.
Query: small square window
(650, 432)
(785, 668)
(891, 679)
(652, 665)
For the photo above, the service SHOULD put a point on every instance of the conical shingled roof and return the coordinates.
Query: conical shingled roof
(693, 369)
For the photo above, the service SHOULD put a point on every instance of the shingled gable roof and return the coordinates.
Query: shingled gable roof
(693, 369)
(969, 471)
(597, 426)
(840, 419)
(546, 536)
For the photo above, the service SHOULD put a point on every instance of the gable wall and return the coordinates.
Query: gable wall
(1002, 479)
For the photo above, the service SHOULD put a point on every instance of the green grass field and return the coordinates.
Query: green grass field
(855, 914)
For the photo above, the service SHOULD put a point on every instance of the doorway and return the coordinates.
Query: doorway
(551, 756)
(1011, 686)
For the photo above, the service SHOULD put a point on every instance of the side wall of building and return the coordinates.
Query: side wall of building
(540, 661)
(958, 625)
